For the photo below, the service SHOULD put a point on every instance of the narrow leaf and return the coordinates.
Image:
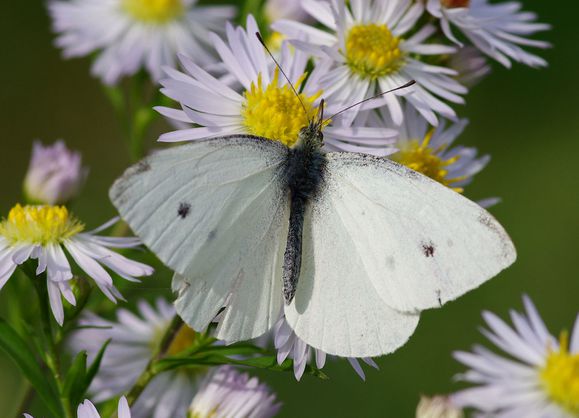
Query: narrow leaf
(20, 353)
(94, 368)
(268, 363)
(74, 382)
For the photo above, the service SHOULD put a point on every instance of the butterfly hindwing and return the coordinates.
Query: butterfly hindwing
(382, 237)
(216, 213)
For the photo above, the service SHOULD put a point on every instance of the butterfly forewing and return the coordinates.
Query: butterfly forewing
(216, 212)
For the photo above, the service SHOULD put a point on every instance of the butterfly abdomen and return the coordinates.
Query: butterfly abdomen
(305, 172)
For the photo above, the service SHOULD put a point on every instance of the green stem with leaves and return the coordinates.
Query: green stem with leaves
(51, 340)
(162, 349)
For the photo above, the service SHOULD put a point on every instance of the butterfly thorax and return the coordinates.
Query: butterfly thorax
(305, 174)
(306, 164)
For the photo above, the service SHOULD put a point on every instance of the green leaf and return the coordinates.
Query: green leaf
(95, 366)
(203, 360)
(79, 378)
(74, 381)
(227, 350)
(24, 358)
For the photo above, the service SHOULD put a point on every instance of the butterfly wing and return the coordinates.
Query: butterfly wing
(216, 213)
(381, 243)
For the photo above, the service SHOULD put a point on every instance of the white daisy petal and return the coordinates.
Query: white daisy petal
(537, 379)
(130, 35)
(497, 30)
(133, 339)
(375, 53)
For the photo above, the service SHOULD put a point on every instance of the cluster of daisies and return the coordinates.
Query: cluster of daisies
(334, 53)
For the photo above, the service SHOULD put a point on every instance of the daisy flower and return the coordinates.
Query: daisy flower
(227, 393)
(265, 105)
(539, 378)
(134, 338)
(88, 410)
(428, 150)
(498, 30)
(289, 345)
(44, 232)
(437, 407)
(131, 35)
(372, 46)
(55, 174)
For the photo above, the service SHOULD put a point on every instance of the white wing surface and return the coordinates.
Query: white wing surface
(215, 212)
(336, 308)
(379, 231)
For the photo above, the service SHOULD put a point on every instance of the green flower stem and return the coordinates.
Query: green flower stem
(149, 373)
(252, 7)
(133, 108)
(50, 338)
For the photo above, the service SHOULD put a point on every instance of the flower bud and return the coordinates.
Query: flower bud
(55, 174)
(471, 66)
(437, 407)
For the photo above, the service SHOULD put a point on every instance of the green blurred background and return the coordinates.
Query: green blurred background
(528, 120)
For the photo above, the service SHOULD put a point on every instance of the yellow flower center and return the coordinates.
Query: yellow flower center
(39, 225)
(154, 11)
(275, 40)
(183, 340)
(372, 51)
(560, 376)
(452, 4)
(275, 112)
(419, 156)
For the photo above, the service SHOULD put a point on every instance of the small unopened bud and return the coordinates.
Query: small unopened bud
(438, 407)
(55, 174)
(470, 65)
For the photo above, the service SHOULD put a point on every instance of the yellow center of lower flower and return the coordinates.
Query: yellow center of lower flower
(39, 225)
(154, 11)
(419, 156)
(372, 51)
(275, 112)
(275, 40)
(183, 340)
(560, 376)
(452, 4)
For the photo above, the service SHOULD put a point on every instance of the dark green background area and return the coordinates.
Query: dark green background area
(528, 120)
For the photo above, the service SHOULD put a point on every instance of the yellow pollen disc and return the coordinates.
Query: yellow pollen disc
(154, 11)
(275, 112)
(372, 51)
(275, 41)
(183, 340)
(560, 376)
(419, 156)
(453, 4)
(39, 225)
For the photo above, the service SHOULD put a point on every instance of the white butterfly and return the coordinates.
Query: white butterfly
(356, 245)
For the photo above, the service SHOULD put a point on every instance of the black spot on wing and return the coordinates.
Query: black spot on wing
(183, 210)
(142, 167)
(212, 234)
(428, 249)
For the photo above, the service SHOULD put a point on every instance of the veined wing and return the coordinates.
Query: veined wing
(216, 213)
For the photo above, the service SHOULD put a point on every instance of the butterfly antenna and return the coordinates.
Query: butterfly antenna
(410, 83)
(283, 72)
(321, 112)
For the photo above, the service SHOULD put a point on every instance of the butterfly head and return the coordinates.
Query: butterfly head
(311, 135)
